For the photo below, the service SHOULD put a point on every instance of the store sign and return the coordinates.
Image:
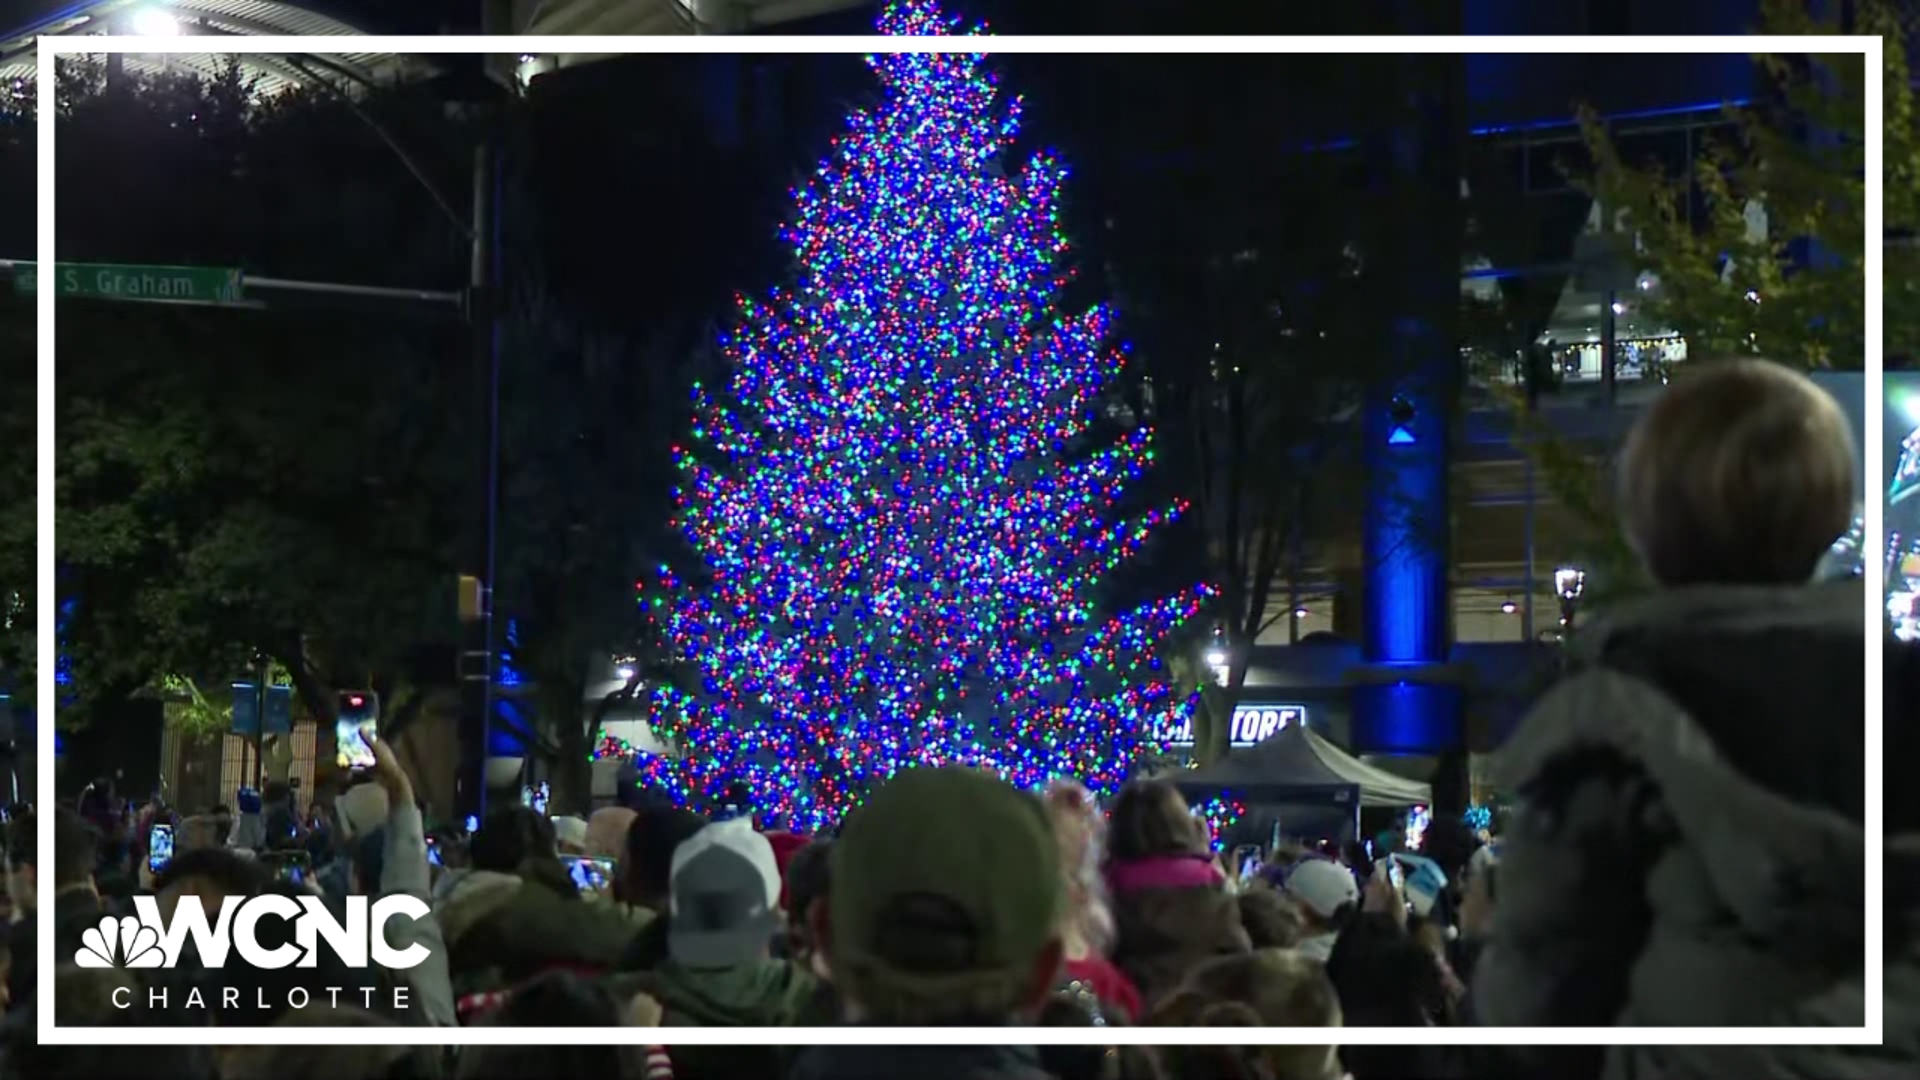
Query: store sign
(1251, 724)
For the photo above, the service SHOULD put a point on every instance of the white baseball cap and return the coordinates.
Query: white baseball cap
(724, 895)
(1322, 886)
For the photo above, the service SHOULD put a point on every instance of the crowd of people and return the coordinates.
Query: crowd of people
(1686, 849)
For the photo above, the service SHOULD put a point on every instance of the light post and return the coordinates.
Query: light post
(1569, 582)
(1217, 657)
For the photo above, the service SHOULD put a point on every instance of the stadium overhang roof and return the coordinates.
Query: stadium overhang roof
(209, 18)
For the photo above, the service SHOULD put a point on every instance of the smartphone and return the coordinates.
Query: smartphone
(542, 795)
(159, 847)
(358, 710)
(433, 852)
(1247, 858)
(289, 866)
(473, 824)
(589, 874)
(1394, 873)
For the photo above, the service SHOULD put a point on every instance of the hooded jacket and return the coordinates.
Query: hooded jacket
(768, 993)
(502, 929)
(1689, 848)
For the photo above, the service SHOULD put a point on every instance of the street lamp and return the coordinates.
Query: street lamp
(1569, 582)
(154, 21)
(1216, 657)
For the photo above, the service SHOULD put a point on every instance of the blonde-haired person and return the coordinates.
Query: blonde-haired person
(1688, 846)
(1086, 921)
(1263, 988)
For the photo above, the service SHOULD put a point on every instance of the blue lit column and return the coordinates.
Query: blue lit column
(1404, 698)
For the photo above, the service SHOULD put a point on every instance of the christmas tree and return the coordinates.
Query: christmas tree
(897, 498)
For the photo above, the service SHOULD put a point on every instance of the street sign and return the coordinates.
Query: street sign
(279, 710)
(114, 281)
(246, 710)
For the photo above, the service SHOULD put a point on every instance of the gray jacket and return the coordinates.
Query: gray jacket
(404, 871)
(1689, 847)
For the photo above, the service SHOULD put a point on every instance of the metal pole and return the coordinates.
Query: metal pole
(1531, 577)
(1609, 345)
(260, 724)
(476, 669)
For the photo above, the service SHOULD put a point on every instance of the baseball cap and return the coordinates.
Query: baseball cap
(724, 895)
(1322, 886)
(571, 831)
(945, 879)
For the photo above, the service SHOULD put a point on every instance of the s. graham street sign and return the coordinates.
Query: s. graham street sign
(1251, 724)
(113, 281)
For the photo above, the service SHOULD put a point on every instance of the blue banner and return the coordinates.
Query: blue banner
(246, 710)
(279, 710)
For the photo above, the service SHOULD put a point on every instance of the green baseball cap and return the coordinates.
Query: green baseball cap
(945, 878)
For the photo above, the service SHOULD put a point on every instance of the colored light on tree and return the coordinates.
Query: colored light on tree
(898, 498)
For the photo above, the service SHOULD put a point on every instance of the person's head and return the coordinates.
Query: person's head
(510, 837)
(1385, 977)
(1271, 921)
(808, 878)
(607, 832)
(723, 898)
(557, 999)
(76, 850)
(945, 902)
(1086, 920)
(656, 833)
(358, 809)
(1325, 893)
(570, 835)
(210, 873)
(1264, 988)
(1740, 473)
(329, 1057)
(1150, 818)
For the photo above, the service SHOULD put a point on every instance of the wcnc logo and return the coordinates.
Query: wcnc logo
(145, 940)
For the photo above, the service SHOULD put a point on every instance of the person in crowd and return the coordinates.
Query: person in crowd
(76, 899)
(1172, 905)
(356, 810)
(1263, 988)
(720, 972)
(562, 999)
(1086, 922)
(249, 825)
(570, 835)
(1687, 849)
(518, 913)
(643, 878)
(785, 846)
(1387, 978)
(83, 997)
(944, 909)
(1326, 896)
(210, 873)
(806, 880)
(335, 1055)
(390, 859)
(607, 832)
(1270, 920)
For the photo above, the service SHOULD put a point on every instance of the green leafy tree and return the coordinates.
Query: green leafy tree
(236, 482)
(1794, 293)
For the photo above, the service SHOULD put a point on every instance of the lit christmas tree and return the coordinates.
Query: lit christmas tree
(895, 498)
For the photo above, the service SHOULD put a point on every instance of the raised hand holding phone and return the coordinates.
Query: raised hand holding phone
(386, 769)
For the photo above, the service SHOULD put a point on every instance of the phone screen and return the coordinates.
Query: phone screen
(433, 852)
(359, 710)
(473, 824)
(589, 874)
(159, 847)
(542, 795)
(1393, 873)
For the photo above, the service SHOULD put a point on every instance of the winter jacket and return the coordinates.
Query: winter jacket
(918, 1063)
(772, 993)
(1170, 915)
(1688, 848)
(502, 929)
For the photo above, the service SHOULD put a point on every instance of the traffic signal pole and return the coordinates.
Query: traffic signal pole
(483, 303)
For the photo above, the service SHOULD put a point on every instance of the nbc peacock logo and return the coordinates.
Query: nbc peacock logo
(120, 943)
